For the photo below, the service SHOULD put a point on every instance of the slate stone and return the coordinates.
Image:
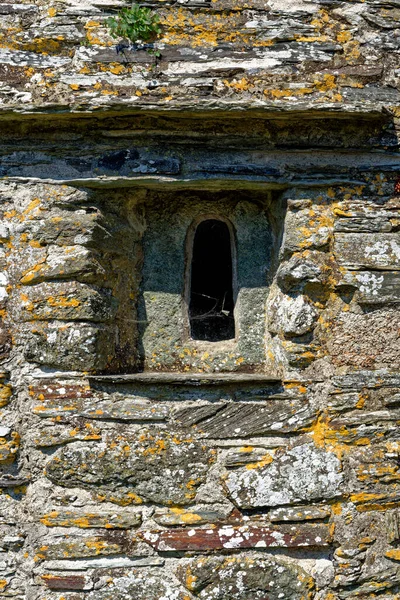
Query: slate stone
(109, 562)
(244, 536)
(375, 287)
(343, 402)
(189, 517)
(75, 262)
(366, 378)
(298, 271)
(69, 346)
(245, 419)
(369, 340)
(360, 224)
(53, 435)
(368, 250)
(293, 315)
(306, 228)
(244, 577)
(392, 522)
(156, 465)
(121, 409)
(142, 582)
(303, 473)
(83, 546)
(103, 232)
(70, 301)
(67, 582)
(300, 513)
(91, 518)
(249, 455)
(15, 8)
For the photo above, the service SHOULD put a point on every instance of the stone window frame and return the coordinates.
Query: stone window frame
(189, 244)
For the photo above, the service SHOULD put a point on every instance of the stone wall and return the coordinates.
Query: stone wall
(137, 463)
(201, 478)
(331, 54)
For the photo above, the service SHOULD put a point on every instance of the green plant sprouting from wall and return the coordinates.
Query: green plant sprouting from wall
(138, 24)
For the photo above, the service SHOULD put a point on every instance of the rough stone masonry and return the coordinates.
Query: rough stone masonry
(135, 461)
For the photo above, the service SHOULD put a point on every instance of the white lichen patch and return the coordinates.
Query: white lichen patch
(301, 473)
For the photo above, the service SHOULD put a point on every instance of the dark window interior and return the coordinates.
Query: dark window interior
(211, 292)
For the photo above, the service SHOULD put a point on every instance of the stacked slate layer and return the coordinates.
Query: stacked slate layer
(285, 54)
(269, 471)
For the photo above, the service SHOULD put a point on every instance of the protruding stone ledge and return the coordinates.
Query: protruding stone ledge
(174, 378)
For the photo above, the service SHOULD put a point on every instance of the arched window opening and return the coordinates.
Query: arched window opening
(211, 301)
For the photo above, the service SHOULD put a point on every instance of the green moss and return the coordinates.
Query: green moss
(137, 24)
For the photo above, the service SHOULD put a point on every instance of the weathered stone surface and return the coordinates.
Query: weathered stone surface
(91, 519)
(375, 287)
(297, 272)
(57, 435)
(244, 536)
(5, 341)
(352, 53)
(250, 455)
(110, 562)
(69, 582)
(152, 584)
(366, 379)
(5, 392)
(368, 340)
(103, 410)
(243, 577)
(283, 118)
(304, 472)
(368, 251)
(70, 346)
(63, 547)
(9, 447)
(362, 224)
(67, 302)
(195, 516)
(165, 345)
(344, 402)
(65, 263)
(154, 465)
(294, 316)
(307, 228)
(300, 513)
(238, 420)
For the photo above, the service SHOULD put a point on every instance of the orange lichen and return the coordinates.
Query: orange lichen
(189, 518)
(5, 394)
(265, 460)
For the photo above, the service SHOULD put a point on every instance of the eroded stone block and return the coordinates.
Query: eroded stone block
(244, 536)
(149, 584)
(292, 315)
(298, 271)
(307, 228)
(84, 546)
(368, 250)
(121, 409)
(368, 340)
(70, 346)
(71, 301)
(95, 518)
(240, 419)
(302, 473)
(189, 517)
(154, 465)
(244, 577)
(72, 262)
